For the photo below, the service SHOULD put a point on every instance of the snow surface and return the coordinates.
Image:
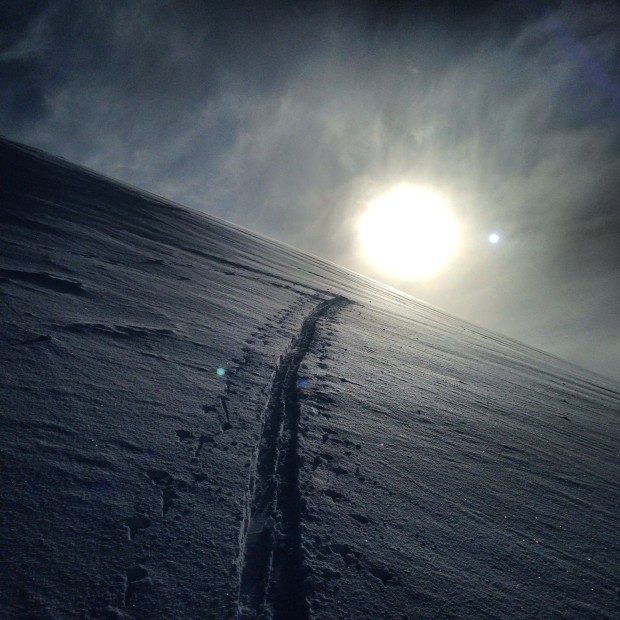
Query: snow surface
(362, 456)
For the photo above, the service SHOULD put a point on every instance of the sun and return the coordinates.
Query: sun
(408, 232)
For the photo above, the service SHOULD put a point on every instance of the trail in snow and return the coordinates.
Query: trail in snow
(271, 571)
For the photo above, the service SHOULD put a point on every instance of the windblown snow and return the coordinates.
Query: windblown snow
(198, 422)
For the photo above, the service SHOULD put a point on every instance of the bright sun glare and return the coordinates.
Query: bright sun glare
(408, 232)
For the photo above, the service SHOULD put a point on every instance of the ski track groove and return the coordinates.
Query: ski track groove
(270, 565)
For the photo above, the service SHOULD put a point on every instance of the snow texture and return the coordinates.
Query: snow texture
(198, 422)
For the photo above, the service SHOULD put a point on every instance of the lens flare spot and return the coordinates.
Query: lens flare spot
(221, 372)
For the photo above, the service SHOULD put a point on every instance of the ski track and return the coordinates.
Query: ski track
(271, 571)
(172, 488)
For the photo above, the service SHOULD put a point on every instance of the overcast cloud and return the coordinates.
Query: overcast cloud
(287, 118)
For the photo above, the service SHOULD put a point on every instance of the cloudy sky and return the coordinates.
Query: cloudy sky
(291, 118)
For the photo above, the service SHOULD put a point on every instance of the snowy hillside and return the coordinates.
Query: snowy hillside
(198, 422)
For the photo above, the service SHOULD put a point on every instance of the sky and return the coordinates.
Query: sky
(289, 118)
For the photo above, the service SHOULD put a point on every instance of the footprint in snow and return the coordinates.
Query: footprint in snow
(334, 495)
(360, 518)
(159, 476)
(134, 576)
(183, 435)
(382, 573)
(135, 524)
(164, 480)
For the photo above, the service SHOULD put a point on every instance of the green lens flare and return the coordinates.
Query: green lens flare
(221, 372)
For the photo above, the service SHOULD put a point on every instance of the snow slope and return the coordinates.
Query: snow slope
(198, 422)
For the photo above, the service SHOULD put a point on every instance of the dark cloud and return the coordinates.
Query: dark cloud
(286, 117)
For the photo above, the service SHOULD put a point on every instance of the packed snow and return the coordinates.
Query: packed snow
(198, 422)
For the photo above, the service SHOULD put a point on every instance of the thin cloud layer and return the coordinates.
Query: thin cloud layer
(286, 119)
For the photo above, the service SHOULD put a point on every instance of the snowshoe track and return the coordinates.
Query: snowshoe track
(271, 568)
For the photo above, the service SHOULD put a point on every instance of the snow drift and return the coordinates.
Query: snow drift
(198, 422)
